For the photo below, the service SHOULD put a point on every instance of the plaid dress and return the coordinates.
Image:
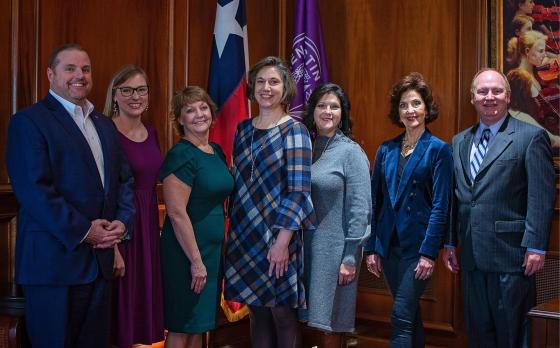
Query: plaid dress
(278, 195)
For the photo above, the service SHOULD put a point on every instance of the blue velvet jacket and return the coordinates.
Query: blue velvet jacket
(417, 206)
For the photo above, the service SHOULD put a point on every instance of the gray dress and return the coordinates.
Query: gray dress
(341, 194)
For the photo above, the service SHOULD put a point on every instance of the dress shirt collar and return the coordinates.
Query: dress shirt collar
(71, 107)
(493, 128)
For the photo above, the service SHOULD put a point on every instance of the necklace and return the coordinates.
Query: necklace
(406, 147)
(324, 149)
(260, 146)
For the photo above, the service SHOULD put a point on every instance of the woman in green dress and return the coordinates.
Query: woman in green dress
(196, 181)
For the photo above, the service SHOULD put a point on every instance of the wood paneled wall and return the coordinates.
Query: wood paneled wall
(170, 39)
(370, 44)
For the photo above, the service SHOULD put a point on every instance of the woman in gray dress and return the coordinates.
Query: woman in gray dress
(340, 191)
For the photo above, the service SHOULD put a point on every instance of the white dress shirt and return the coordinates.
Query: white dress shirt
(86, 126)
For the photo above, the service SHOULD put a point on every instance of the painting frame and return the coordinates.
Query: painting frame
(496, 34)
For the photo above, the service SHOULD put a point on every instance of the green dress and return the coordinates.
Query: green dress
(211, 183)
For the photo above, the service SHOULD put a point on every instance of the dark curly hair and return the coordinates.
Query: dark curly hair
(318, 93)
(282, 68)
(413, 81)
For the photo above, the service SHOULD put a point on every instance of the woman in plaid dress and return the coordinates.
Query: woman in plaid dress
(270, 207)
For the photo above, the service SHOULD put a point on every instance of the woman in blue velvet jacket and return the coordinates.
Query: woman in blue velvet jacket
(411, 192)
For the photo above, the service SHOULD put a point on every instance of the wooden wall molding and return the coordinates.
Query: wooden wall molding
(8, 213)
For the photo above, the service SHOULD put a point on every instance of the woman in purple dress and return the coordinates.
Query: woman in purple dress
(137, 295)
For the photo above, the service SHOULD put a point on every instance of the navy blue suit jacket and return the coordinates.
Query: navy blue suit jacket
(416, 207)
(57, 184)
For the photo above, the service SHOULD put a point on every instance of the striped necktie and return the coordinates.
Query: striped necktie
(479, 152)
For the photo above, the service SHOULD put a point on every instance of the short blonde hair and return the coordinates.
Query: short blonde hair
(189, 95)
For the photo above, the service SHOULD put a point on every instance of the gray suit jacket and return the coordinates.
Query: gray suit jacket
(509, 207)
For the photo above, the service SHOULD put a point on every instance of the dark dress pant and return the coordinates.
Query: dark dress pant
(75, 316)
(496, 306)
(406, 319)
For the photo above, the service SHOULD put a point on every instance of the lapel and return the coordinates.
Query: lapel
(104, 148)
(392, 166)
(500, 142)
(465, 151)
(413, 161)
(75, 137)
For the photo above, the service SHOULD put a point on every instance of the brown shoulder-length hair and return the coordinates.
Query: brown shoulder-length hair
(283, 70)
(413, 81)
(118, 79)
(189, 95)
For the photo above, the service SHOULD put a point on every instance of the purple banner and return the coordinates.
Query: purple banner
(309, 64)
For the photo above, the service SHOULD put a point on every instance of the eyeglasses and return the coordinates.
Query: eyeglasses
(129, 91)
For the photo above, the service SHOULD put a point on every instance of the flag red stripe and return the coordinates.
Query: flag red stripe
(234, 110)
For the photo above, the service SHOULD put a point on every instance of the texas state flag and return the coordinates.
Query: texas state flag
(228, 72)
(226, 87)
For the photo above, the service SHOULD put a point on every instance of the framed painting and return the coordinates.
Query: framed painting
(524, 44)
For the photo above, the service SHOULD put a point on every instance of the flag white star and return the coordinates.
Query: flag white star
(226, 24)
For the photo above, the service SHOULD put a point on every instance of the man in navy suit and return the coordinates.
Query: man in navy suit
(501, 217)
(75, 193)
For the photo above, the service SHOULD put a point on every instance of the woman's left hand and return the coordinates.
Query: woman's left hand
(346, 274)
(118, 264)
(278, 256)
(424, 269)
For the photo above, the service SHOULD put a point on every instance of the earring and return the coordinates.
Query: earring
(115, 108)
(340, 125)
(147, 107)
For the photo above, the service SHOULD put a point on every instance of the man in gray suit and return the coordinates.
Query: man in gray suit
(503, 202)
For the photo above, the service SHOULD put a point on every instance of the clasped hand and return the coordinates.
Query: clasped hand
(104, 234)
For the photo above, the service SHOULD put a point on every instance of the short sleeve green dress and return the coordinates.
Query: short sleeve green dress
(211, 183)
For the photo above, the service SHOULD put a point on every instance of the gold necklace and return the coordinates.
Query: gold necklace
(260, 147)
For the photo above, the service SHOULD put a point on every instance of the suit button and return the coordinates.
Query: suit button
(408, 210)
(473, 203)
(411, 194)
